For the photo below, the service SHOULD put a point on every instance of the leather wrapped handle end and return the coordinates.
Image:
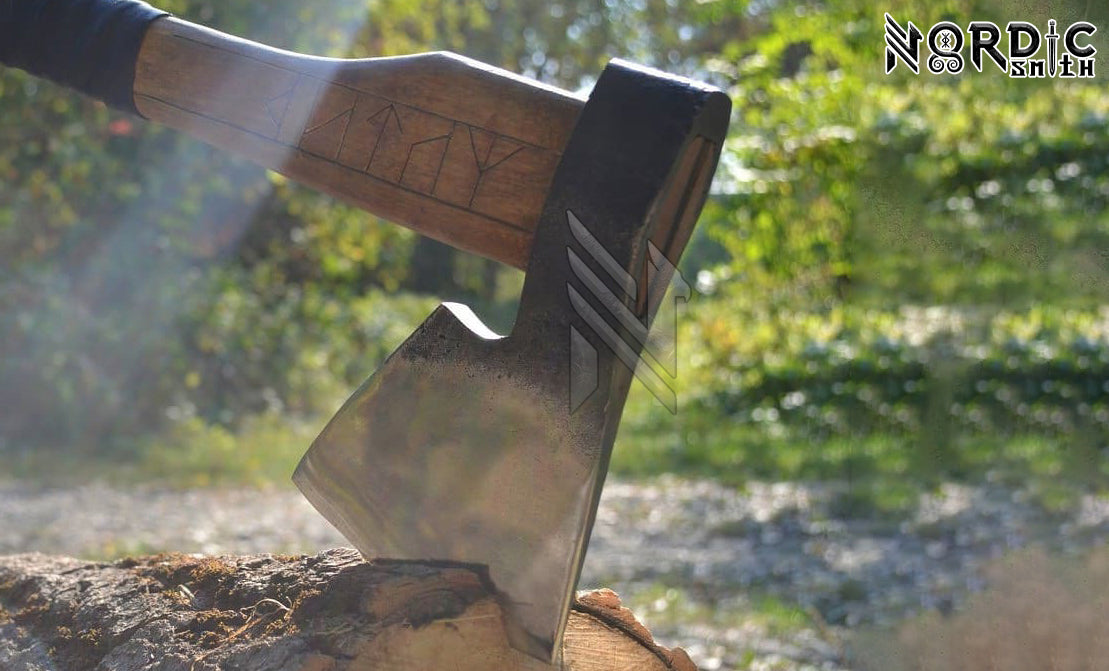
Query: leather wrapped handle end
(87, 45)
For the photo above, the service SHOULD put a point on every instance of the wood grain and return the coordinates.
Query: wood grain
(328, 612)
(449, 147)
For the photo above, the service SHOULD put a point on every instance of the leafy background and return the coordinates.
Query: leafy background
(896, 274)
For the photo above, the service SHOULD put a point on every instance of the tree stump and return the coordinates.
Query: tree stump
(328, 612)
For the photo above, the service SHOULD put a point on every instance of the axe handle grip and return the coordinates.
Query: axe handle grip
(453, 149)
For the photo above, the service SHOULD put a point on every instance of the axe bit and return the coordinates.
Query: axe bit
(465, 445)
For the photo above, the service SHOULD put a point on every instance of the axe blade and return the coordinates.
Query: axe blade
(467, 446)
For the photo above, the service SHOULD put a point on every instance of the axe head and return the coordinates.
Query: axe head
(471, 447)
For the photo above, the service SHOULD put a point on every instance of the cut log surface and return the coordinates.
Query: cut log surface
(327, 612)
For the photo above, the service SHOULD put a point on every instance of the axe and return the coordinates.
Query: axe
(465, 445)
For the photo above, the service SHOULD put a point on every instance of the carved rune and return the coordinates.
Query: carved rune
(405, 145)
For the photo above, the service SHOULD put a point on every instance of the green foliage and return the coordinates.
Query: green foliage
(159, 297)
(890, 402)
(852, 370)
(846, 183)
(264, 448)
(145, 273)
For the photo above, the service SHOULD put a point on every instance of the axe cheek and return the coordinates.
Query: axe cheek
(452, 451)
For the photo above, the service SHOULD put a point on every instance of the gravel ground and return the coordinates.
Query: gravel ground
(693, 557)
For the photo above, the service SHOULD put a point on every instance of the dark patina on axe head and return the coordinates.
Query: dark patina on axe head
(472, 447)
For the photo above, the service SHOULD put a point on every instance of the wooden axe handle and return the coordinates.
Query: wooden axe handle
(456, 150)
(453, 149)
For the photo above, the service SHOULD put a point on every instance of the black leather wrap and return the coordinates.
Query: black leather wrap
(88, 45)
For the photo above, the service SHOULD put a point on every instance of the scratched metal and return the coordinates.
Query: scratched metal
(463, 445)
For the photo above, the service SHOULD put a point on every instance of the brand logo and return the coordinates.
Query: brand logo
(1028, 52)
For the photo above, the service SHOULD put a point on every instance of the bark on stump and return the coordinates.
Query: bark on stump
(328, 612)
